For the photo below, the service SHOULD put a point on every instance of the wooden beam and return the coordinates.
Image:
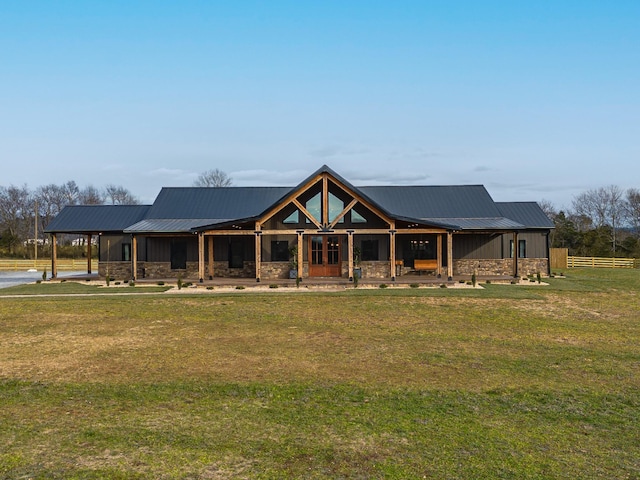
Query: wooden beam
(300, 255)
(409, 231)
(344, 212)
(88, 253)
(134, 257)
(54, 256)
(290, 198)
(307, 214)
(258, 243)
(392, 248)
(201, 257)
(450, 255)
(210, 257)
(325, 199)
(439, 255)
(515, 254)
(350, 244)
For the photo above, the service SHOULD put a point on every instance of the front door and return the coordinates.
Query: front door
(324, 256)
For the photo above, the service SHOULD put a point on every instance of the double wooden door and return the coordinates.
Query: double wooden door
(324, 256)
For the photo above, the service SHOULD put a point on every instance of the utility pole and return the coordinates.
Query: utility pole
(35, 234)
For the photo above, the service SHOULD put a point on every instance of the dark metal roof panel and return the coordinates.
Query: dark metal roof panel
(434, 202)
(96, 218)
(214, 202)
(528, 213)
(499, 223)
(170, 225)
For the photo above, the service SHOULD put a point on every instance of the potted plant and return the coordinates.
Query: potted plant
(293, 261)
(357, 258)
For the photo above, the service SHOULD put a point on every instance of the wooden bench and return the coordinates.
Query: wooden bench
(425, 265)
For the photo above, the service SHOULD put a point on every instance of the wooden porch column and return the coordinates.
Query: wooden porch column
(54, 256)
(88, 253)
(258, 254)
(201, 257)
(210, 257)
(392, 248)
(134, 257)
(350, 244)
(300, 253)
(439, 255)
(515, 254)
(450, 256)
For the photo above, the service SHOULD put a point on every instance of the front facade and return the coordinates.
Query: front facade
(324, 227)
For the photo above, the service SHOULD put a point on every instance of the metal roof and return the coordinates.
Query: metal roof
(183, 209)
(171, 225)
(434, 202)
(96, 218)
(214, 202)
(498, 223)
(527, 213)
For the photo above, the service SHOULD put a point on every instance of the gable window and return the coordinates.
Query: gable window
(314, 207)
(279, 251)
(335, 208)
(178, 255)
(356, 217)
(293, 218)
(370, 250)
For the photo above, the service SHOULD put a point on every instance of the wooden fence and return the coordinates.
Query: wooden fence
(602, 262)
(42, 264)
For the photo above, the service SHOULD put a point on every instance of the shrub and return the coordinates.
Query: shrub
(44, 274)
(414, 285)
(180, 285)
(488, 282)
(132, 284)
(239, 287)
(160, 283)
(383, 285)
(443, 285)
(38, 281)
(209, 287)
(273, 285)
(473, 279)
(117, 283)
(539, 277)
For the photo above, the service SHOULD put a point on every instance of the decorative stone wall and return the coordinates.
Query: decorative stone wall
(274, 270)
(504, 266)
(117, 270)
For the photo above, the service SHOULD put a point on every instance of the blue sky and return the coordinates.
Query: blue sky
(535, 100)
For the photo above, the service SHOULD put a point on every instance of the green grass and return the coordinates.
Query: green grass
(526, 382)
(62, 288)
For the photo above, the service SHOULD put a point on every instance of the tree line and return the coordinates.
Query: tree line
(20, 207)
(601, 222)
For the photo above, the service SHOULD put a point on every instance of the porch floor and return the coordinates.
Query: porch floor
(312, 282)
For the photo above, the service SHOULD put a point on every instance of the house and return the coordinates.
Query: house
(323, 227)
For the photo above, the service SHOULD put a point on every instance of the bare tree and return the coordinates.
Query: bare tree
(90, 195)
(118, 195)
(605, 206)
(213, 178)
(16, 213)
(633, 209)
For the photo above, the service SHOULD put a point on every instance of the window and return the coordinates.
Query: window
(335, 208)
(293, 218)
(279, 251)
(236, 253)
(522, 249)
(356, 217)
(369, 250)
(126, 252)
(314, 207)
(178, 255)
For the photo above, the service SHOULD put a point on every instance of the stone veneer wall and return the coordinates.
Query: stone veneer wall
(504, 266)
